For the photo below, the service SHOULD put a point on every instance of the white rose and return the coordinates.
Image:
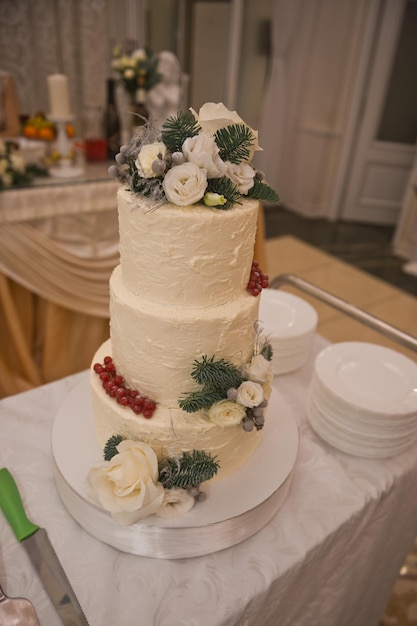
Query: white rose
(129, 73)
(241, 175)
(18, 162)
(226, 413)
(176, 502)
(139, 54)
(250, 394)
(127, 486)
(203, 151)
(259, 369)
(213, 116)
(147, 155)
(185, 184)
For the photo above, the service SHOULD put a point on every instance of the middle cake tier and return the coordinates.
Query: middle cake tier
(154, 346)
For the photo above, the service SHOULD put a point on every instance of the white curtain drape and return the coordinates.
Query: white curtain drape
(49, 36)
(316, 45)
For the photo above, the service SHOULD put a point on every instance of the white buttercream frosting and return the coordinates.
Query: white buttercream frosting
(170, 431)
(193, 256)
(179, 293)
(154, 346)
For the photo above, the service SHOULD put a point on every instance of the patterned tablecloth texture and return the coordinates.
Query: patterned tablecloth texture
(329, 557)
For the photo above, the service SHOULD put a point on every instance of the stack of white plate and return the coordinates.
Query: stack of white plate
(363, 399)
(289, 323)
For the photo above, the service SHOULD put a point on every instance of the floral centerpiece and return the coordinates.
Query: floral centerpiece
(137, 71)
(204, 157)
(14, 170)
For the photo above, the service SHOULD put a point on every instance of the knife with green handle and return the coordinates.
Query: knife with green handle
(41, 553)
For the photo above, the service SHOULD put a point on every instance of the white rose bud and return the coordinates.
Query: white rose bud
(250, 394)
(214, 199)
(241, 175)
(184, 184)
(259, 369)
(204, 152)
(176, 502)
(226, 413)
(147, 155)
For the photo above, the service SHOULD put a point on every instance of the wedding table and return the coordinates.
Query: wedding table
(58, 246)
(329, 557)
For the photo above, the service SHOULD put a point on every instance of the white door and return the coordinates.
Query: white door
(379, 165)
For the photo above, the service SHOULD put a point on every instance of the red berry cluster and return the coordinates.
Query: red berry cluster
(257, 280)
(115, 387)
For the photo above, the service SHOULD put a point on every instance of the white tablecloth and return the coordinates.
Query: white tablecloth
(329, 557)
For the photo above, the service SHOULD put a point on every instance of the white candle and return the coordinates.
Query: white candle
(59, 96)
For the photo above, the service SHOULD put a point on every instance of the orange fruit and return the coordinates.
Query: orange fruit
(70, 131)
(46, 133)
(30, 131)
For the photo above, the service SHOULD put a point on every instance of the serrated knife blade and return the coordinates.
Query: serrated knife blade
(41, 553)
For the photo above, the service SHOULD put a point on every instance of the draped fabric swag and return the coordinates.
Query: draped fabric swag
(54, 279)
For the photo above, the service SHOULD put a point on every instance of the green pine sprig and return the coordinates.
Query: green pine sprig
(267, 351)
(262, 191)
(198, 400)
(224, 187)
(176, 130)
(215, 377)
(220, 374)
(234, 142)
(110, 449)
(190, 470)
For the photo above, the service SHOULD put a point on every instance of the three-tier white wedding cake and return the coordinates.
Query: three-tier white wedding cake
(180, 389)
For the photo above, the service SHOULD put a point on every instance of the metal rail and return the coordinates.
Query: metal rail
(345, 307)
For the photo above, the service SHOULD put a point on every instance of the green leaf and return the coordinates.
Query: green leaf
(190, 470)
(176, 130)
(262, 191)
(234, 142)
(110, 449)
(224, 187)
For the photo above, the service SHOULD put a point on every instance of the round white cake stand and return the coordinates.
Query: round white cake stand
(236, 506)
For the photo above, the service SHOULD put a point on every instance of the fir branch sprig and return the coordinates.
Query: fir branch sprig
(224, 187)
(190, 470)
(177, 129)
(198, 400)
(220, 374)
(234, 142)
(267, 351)
(110, 449)
(216, 377)
(262, 191)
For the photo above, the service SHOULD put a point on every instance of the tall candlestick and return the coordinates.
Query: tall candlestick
(59, 96)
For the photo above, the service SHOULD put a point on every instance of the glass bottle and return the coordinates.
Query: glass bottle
(111, 121)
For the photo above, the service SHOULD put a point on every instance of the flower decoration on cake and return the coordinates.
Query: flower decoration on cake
(195, 158)
(231, 395)
(131, 485)
(138, 70)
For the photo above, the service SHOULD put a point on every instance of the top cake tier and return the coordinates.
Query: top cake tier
(191, 256)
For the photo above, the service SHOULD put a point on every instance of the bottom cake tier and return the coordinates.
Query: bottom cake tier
(170, 431)
(236, 507)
